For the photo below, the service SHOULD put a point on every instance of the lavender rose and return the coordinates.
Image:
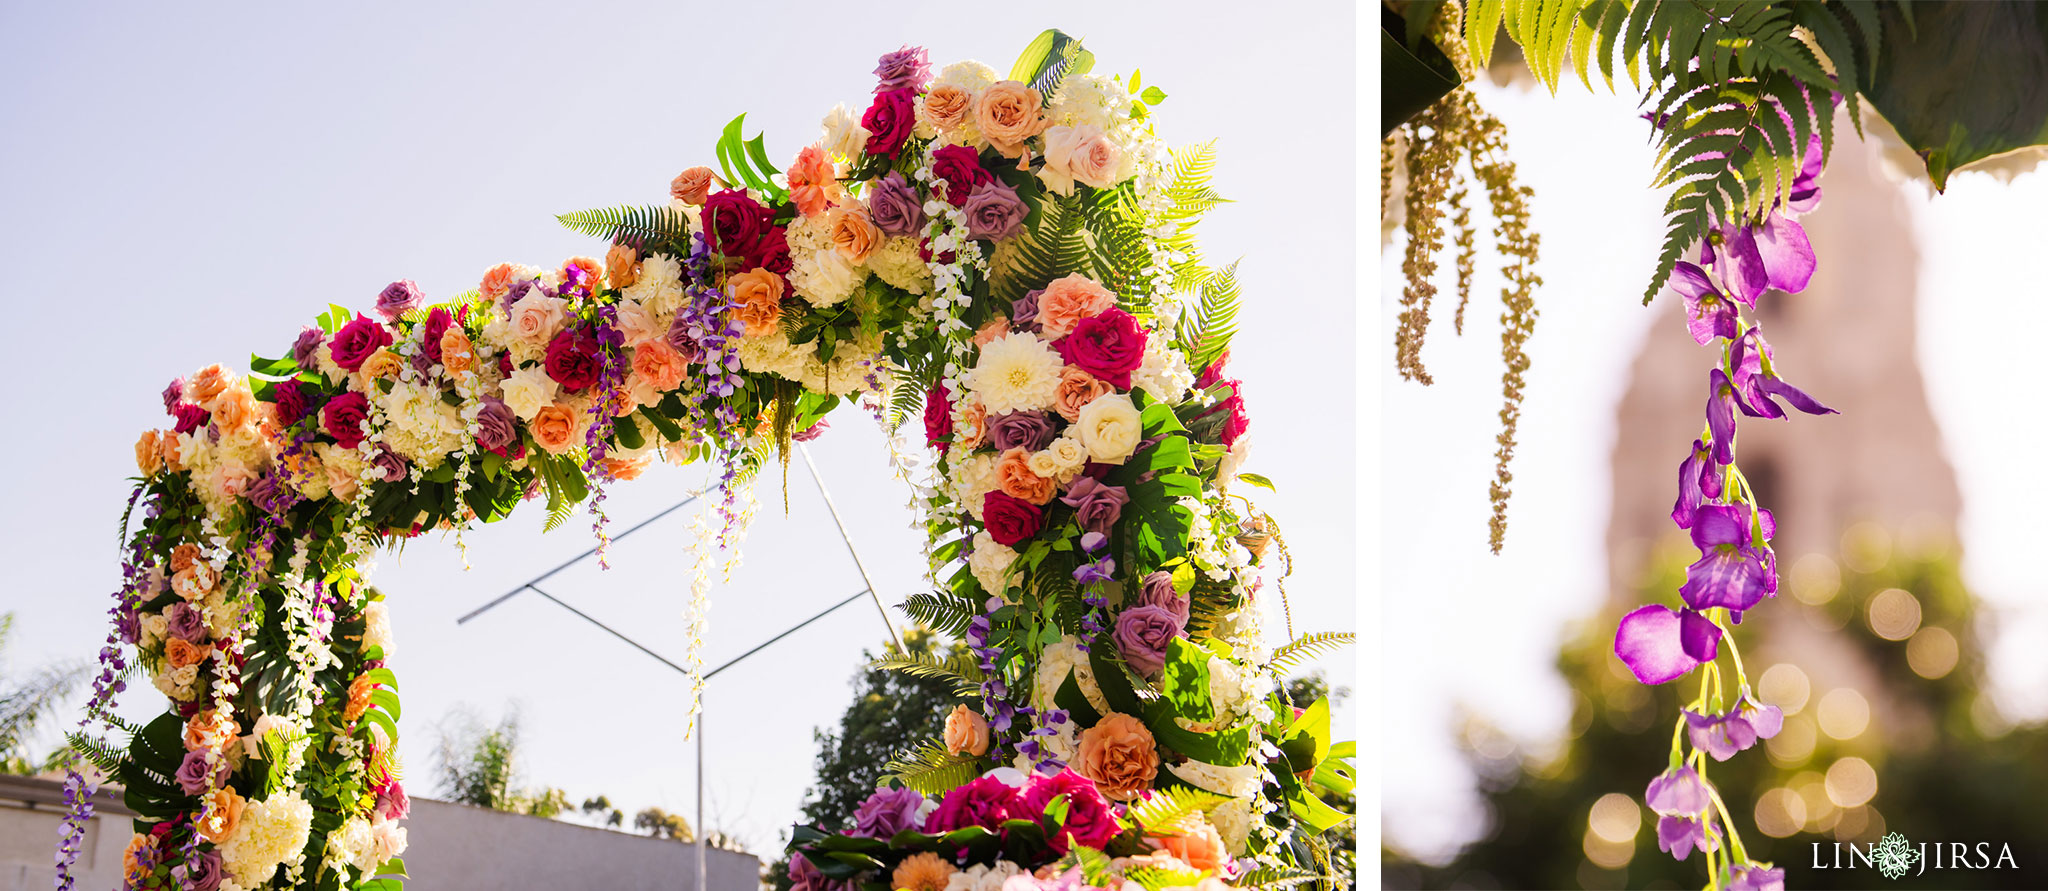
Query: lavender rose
(683, 336)
(391, 465)
(1143, 634)
(1027, 430)
(905, 69)
(893, 206)
(308, 346)
(174, 392)
(993, 211)
(1097, 506)
(1157, 590)
(398, 298)
(496, 425)
(886, 813)
(1024, 311)
(187, 624)
(193, 772)
(203, 872)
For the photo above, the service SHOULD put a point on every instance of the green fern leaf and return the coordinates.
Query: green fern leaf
(1168, 807)
(1308, 646)
(959, 668)
(649, 227)
(930, 769)
(940, 611)
(1215, 317)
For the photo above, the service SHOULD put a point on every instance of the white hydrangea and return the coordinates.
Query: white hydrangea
(420, 425)
(898, 263)
(973, 477)
(818, 271)
(1055, 662)
(1165, 375)
(1233, 461)
(991, 564)
(353, 844)
(1242, 781)
(1232, 690)
(270, 832)
(1016, 372)
(659, 286)
(1091, 100)
(983, 878)
(377, 626)
(1233, 821)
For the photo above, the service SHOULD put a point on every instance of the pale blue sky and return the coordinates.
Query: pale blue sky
(188, 185)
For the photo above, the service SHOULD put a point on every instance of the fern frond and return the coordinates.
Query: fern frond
(1165, 810)
(959, 668)
(648, 227)
(104, 755)
(1055, 247)
(930, 769)
(1278, 878)
(1215, 317)
(940, 611)
(1308, 646)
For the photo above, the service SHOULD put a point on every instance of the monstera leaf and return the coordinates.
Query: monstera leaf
(1962, 82)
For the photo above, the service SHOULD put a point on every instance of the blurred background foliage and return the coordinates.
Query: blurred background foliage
(1921, 749)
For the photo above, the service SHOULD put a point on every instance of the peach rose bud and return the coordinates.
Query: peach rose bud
(692, 185)
(966, 732)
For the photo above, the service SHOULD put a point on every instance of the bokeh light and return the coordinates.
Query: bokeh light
(1785, 686)
(1866, 547)
(1894, 614)
(1851, 783)
(1794, 742)
(1844, 713)
(1932, 652)
(1780, 812)
(1615, 817)
(1816, 579)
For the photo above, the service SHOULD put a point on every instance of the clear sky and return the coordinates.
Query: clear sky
(189, 185)
(1474, 634)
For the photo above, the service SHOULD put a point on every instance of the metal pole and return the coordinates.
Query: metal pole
(844, 536)
(575, 560)
(700, 800)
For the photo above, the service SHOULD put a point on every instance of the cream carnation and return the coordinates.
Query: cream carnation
(528, 390)
(897, 263)
(991, 564)
(818, 271)
(1109, 428)
(1016, 372)
(269, 833)
(660, 285)
(1057, 661)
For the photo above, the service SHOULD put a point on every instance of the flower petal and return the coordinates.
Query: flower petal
(1777, 386)
(1741, 264)
(1724, 576)
(1698, 636)
(1787, 255)
(1647, 642)
(1677, 793)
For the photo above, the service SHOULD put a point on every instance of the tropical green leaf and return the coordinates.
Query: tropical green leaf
(960, 668)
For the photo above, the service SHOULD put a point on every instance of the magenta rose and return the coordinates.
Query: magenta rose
(986, 802)
(1010, 519)
(735, 222)
(1089, 821)
(771, 252)
(960, 168)
(572, 359)
(888, 122)
(343, 418)
(893, 205)
(392, 803)
(1142, 634)
(398, 298)
(1097, 505)
(1236, 422)
(438, 323)
(189, 417)
(886, 813)
(938, 418)
(357, 340)
(1109, 346)
(994, 212)
(292, 402)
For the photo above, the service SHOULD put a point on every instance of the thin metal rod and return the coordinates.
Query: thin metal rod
(848, 538)
(575, 560)
(608, 629)
(766, 643)
(701, 833)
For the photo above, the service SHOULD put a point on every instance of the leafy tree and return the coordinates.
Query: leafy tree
(889, 710)
(25, 701)
(661, 824)
(480, 765)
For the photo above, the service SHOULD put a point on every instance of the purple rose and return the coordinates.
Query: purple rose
(391, 466)
(496, 425)
(1143, 634)
(812, 432)
(994, 212)
(1097, 506)
(1109, 346)
(518, 290)
(905, 69)
(804, 876)
(986, 802)
(1024, 311)
(203, 871)
(1027, 430)
(398, 298)
(886, 813)
(187, 624)
(893, 206)
(193, 772)
(357, 340)
(1157, 590)
(174, 392)
(888, 122)
(308, 346)
(683, 336)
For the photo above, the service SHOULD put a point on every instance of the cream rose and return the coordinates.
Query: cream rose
(527, 390)
(1108, 427)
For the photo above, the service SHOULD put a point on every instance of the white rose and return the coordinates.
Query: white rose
(845, 138)
(527, 391)
(990, 563)
(1109, 428)
(154, 627)
(1062, 459)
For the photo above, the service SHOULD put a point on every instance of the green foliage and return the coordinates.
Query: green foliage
(1962, 85)
(958, 668)
(745, 161)
(478, 763)
(650, 227)
(1308, 646)
(932, 770)
(888, 708)
(941, 611)
(26, 701)
(1168, 806)
(1050, 59)
(1215, 317)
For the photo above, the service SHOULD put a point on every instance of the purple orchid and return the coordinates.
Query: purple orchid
(1734, 569)
(1699, 482)
(1757, 878)
(1677, 793)
(1708, 312)
(1752, 260)
(1722, 735)
(1679, 835)
(1723, 399)
(1660, 644)
(1756, 382)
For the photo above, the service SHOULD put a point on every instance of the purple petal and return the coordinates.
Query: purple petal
(1691, 493)
(1680, 835)
(1766, 720)
(1690, 281)
(1721, 416)
(1776, 386)
(1647, 642)
(1699, 637)
(1741, 264)
(1787, 255)
(1720, 524)
(1725, 576)
(1757, 878)
(1720, 736)
(1747, 354)
(1677, 793)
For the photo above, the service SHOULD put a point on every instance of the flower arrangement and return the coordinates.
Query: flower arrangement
(1010, 258)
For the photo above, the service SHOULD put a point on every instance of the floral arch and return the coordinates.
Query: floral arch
(1010, 258)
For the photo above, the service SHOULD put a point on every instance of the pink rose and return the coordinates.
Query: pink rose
(537, 317)
(357, 341)
(1109, 346)
(1010, 519)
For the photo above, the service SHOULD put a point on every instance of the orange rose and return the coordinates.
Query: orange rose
(1069, 300)
(359, 691)
(194, 582)
(946, 107)
(1077, 388)
(1015, 478)
(759, 295)
(171, 453)
(211, 729)
(627, 469)
(234, 409)
(209, 383)
(1009, 113)
(149, 452)
(183, 556)
(1119, 755)
(498, 282)
(659, 365)
(180, 652)
(222, 811)
(966, 732)
(1198, 845)
(970, 426)
(813, 181)
(996, 327)
(458, 354)
(554, 428)
(382, 363)
(621, 266)
(853, 233)
(692, 185)
(593, 271)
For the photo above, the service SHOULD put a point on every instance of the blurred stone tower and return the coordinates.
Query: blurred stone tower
(1849, 339)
